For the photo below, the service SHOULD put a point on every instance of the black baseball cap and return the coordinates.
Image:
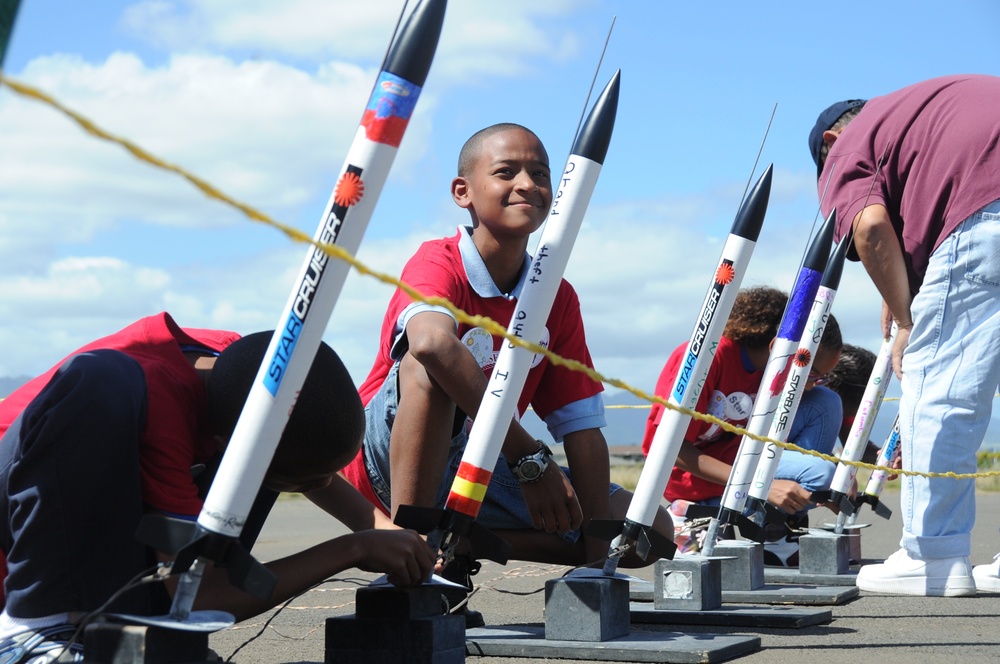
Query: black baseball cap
(826, 120)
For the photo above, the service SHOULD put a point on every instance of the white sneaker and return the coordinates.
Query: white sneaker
(49, 645)
(782, 553)
(988, 576)
(902, 574)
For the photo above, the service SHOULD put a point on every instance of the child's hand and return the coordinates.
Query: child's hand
(552, 502)
(788, 496)
(402, 555)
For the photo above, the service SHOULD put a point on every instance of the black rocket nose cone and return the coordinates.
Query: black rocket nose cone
(819, 250)
(595, 134)
(413, 49)
(750, 218)
(835, 266)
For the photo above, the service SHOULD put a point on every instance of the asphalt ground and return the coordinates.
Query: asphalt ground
(892, 629)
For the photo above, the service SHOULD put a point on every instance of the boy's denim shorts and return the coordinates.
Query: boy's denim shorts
(502, 509)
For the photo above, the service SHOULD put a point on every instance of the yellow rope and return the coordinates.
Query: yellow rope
(478, 321)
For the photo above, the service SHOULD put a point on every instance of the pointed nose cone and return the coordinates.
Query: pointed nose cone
(750, 218)
(819, 250)
(413, 49)
(8, 10)
(835, 266)
(595, 134)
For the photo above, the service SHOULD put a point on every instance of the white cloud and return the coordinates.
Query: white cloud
(475, 45)
(263, 132)
(95, 286)
(259, 130)
(79, 299)
(642, 270)
(74, 301)
(302, 28)
(473, 41)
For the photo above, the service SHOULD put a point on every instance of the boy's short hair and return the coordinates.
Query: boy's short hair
(327, 424)
(470, 151)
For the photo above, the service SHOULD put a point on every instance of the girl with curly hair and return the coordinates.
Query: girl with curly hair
(707, 453)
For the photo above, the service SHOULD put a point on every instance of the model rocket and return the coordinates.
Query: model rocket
(499, 404)
(857, 440)
(8, 11)
(779, 363)
(301, 326)
(886, 456)
(666, 443)
(795, 384)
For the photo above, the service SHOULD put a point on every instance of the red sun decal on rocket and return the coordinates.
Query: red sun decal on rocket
(349, 190)
(725, 274)
(802, 357)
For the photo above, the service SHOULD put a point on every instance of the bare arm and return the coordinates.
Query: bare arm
(587, 457)
(880, 253)
(433, 343)
(692, 460)
(346, 504)
(402, 554)
(786, 495)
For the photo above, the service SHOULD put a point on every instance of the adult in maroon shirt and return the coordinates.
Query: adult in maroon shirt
(916, 175)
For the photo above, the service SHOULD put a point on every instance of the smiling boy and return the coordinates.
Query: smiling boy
(431, 371)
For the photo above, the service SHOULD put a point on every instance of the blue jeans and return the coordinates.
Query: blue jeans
(951, 369)
(70, 490)
(503, 506)
(816, 425)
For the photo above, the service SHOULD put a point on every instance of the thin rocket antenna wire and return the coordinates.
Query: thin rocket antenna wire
(756, 161)
(593, 82)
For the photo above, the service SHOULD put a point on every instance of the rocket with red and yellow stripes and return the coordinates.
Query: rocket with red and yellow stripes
(499, 404)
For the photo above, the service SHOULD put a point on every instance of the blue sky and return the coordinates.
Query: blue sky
(262, 98)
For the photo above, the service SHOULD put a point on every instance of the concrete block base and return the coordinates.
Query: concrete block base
(791, 575)
(437, 640)
(792, 594)
(821, 552)
(586, 609)
(391, 603)
(853, 533)
(692, 583)
(397, 626)
(743, 566)
(110, 643)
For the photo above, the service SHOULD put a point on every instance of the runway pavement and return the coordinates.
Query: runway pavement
(915, 630)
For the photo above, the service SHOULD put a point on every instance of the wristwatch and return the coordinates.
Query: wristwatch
(529, 468)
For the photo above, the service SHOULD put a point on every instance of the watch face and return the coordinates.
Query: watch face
(530, 470)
